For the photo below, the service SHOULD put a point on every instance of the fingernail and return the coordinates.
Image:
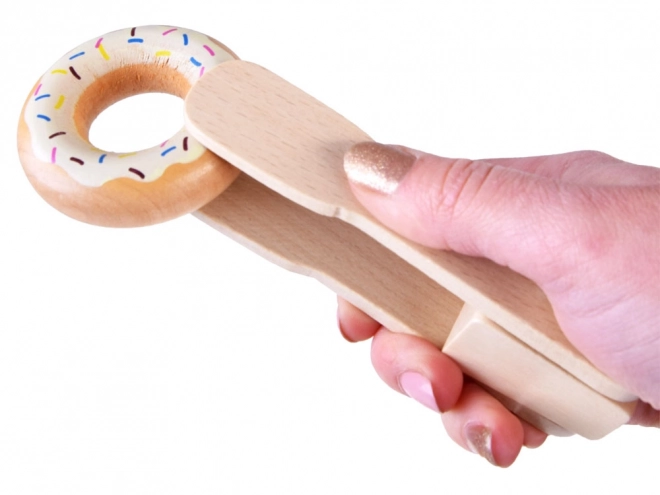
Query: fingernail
(418, 387)
(377, 166)
(479, 440)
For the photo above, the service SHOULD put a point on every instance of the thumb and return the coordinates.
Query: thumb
(510, 216)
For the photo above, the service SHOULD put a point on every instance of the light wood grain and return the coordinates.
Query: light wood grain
(344, 259)
(373, 278)
(294, 145)
(494, 357)
(347, 261)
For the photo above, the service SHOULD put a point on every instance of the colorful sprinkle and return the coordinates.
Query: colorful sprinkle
(100, 48)
(164, 143)
(104, 54)
(45, 118)
(136, 172)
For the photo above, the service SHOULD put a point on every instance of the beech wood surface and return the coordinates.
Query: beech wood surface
(404, 299)
(294, 145)
(340, 256)
(530, 380)
(294, 207)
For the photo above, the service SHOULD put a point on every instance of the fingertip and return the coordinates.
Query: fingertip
(480, 424)
(354, 324)
(377, 167)
(533, 437)
(416, 368)
(645, 415)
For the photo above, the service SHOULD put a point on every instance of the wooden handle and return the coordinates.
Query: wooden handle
(294, 146)
(351, 264)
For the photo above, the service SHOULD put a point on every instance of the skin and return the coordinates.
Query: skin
(584, 226)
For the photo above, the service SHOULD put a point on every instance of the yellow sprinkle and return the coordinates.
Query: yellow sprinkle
(163, 53)
(104, 53)
(59, 71)
(125, 155)
(60, 102)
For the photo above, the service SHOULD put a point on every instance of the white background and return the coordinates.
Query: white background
(169, 360)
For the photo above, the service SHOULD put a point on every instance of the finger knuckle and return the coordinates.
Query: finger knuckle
(454, 195)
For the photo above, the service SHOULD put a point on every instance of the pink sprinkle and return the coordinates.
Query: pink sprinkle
(201, 71)
(208, 49)
(169, 31)
(164, 143)
(53, 155)
(36, 92)
(98, 43)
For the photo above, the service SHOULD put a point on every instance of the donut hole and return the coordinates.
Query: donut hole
(137, 122)
(132, 108)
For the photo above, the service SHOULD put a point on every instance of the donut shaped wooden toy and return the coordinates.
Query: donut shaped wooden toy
(110, 188)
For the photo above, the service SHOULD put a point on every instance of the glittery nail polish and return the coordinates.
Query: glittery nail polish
(377, 166)
(479, 439)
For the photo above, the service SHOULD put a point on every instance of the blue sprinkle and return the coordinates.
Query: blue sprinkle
(168, 150)
(40, 97)
(195, 62)
(44, 117)
(185, 39)
(76, 55)
(102, 157)
(136, 40)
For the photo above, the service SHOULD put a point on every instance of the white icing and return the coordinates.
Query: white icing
(58, 91)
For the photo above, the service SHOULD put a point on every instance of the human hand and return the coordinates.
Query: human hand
(584, 226)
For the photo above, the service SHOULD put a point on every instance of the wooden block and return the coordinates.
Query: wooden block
(494, 357)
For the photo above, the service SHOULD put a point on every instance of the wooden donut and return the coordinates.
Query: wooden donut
(120, 189)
